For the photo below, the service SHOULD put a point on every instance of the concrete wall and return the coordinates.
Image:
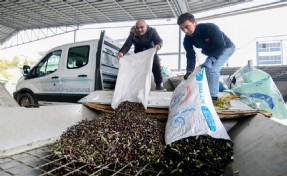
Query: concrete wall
(23, 129)
(6, 100)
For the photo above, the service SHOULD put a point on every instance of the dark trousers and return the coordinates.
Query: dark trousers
(156, 70)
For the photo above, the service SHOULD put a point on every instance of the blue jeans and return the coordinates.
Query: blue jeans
(213, 74)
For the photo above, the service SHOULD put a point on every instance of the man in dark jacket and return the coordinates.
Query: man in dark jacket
(144, 37)
(214, 44)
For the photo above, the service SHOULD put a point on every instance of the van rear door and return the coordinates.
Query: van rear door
(107, 64)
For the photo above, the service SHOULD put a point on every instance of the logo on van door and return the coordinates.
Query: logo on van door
(59, 89)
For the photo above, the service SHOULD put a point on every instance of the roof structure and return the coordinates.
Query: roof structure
(60, 16)
(19, 15)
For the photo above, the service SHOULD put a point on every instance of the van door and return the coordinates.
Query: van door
(44, 78)
(76, 77)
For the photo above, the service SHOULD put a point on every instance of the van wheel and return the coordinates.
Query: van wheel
(26, 100)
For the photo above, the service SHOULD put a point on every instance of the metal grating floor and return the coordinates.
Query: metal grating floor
(41, 162)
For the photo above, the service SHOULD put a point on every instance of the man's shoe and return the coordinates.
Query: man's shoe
(214, 99)
(160, 88)
(187, 75)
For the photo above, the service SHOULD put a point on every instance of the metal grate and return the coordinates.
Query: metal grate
(42, 162)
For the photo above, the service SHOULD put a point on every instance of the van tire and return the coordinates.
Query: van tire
(26, 100)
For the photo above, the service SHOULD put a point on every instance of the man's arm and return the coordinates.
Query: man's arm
(156, 38)
(127, 45)
(190, 56)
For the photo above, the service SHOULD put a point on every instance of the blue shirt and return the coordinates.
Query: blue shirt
(209, 38)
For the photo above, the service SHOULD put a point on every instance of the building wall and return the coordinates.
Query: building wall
(271, 51)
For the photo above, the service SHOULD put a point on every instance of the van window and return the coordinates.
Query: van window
(48, 65)
(78, 57)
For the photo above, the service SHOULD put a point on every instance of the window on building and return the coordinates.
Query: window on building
(269, 53)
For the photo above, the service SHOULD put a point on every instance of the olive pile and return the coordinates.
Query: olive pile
(198, 155)
(129, 136)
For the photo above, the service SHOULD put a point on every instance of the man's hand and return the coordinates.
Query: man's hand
(157, 47)
(208, 62)
(187, 74)
(120, 55)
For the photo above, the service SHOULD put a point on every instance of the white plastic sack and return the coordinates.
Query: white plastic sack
(134, 78)
(192, 112)
(259, 90)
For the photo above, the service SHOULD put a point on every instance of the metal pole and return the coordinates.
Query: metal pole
(257, 53)
(250, 63)
(281, 49)
(179, 49)
(75, 33)
(75, 36)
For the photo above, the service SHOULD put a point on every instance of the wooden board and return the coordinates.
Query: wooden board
(109, 109)
(162, 113)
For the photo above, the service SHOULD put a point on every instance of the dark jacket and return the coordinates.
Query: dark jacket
(209, 38)
(141, 43)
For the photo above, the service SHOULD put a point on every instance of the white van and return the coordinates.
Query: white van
(70, 72)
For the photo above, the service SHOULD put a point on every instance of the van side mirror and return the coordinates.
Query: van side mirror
(26, 70)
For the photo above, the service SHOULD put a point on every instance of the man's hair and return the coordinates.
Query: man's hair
(186, 16)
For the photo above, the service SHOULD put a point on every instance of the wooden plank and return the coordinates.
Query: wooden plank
(103, 108)
(108, 108)
(162, 113)
(157, 110)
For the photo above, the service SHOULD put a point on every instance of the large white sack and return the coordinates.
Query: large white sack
(134, 78)
(191, 111)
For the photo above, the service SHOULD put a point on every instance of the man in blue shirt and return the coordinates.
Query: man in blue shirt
(214, 44)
